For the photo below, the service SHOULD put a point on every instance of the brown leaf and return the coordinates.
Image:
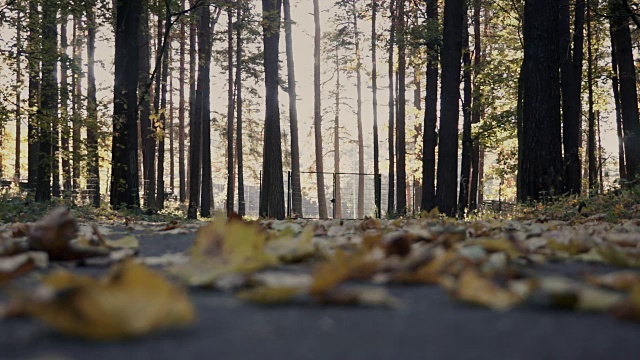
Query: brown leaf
(475, 289)
(53, 234)
(15, 266)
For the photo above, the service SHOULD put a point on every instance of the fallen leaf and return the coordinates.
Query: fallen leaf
(620, 280)
(475, 289)
(290, 249)
(53, 234)
(127, 242)
(14, 266)
(131, 301)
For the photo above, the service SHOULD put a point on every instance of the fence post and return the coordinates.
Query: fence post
(378, 195)
(289, 194)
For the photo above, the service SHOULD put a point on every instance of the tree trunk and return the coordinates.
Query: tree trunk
(359, 113)
(467, 141)
(374, 86)
(476, 111)
(205, 32)
(48, 109)
(430, 137)
(401, 182)
(64, 106)
(93, 163)
(230, 114)
(147, 135)
(33, 65)
(272, 195)
(337, 213)
(541, 164)
(622, 171)
(193, 61)
(628, 91)
(446, 190)
(571, 72)
(171, 129)
(317, 113)
(181, 110)
(124, 168)
(76, 103)
(239, 64)
(165, 47)
(296, 189)
(591, 136)
(391, 208)
(16, 172)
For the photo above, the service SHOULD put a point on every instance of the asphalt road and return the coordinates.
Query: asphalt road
(428, 326)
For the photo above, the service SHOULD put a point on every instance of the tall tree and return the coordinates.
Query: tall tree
(317, 112)
(591, 132)
(76, 101)
(124, 152)
(164, 56)
(446, 190)
(476, 111)
(147, 132)
(374, 86)
(619, 22)
(93, 163)
(616, 99)
(337, 213)
(392, 33)
(230, 113)
(64, 105)
(272, 194)
(181, 108)
(467, 141)
(541, 165)
(48, 109)
(430, 137)
(16, 173)
(33, 68)
(401, 182)
(571, 82)
(239, 64)
(296, 189)
(359, 110)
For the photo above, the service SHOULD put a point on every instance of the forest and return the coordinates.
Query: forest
(316, 179)
(202, 103)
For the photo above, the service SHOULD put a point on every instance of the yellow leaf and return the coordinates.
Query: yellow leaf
(127, 242)
(475, 289)
(619, 280)
(292, 248)
(132, 301)
(342, 267)
(270, 295)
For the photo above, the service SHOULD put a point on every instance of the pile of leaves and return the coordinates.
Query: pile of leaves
(498, 264)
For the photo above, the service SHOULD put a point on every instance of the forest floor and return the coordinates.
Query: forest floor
(553, 282)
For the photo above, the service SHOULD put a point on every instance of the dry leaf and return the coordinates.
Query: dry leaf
(475, 289)
(132, 301)
(290, 249)
(620, 280)
(53, 234)
(12, 267)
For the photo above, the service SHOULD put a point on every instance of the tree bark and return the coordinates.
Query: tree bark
(48, 109)
(205, 31)
(76, 103)
(359, 112)
(165, 47)
(64, 106)
(374, 85)
(541, 164)
(591, 132)
(296, 189)
(317, 114)
(476, 111)
(430, 137)
(16, 172)
(93, 161)
(446, 189)
(33, 68)
(337, 213)
(628, 91)
(239, 64)
(147, 133)
(467, 141)
(181, 109)
(401, 174)
(622, 170)
(391, 208)
(124, 168)
(230, 114)
(272, 194)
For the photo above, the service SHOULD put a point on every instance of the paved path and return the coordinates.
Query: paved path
(428, 326)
